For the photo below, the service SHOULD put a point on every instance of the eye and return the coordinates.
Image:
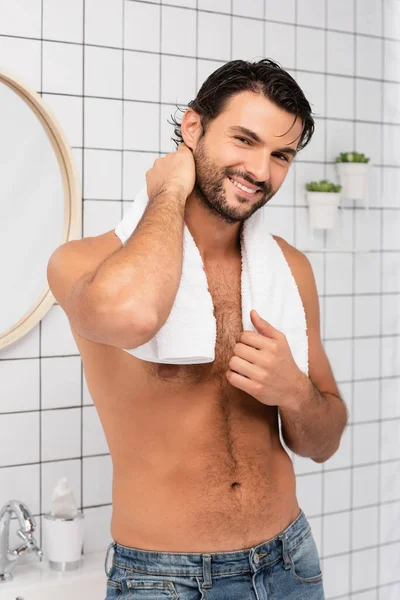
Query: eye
(283, 155)
(242, 139)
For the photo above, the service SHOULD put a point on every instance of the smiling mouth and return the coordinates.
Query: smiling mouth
(243, 188)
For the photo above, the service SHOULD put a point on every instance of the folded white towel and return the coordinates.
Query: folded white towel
(267, 284)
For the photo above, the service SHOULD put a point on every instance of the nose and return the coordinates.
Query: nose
(258, 167)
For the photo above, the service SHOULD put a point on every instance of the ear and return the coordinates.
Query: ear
(191, 128)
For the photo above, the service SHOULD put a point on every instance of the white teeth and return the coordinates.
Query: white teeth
(242, 187)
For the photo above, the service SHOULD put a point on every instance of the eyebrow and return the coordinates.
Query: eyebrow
(257, 139)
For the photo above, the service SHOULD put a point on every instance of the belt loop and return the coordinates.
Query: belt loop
(112, 544)
(207, 580)
(285, 553)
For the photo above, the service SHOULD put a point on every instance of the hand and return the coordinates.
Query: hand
(264, 365)
(172, 173)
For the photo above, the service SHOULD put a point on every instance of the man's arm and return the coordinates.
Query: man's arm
(313, 425)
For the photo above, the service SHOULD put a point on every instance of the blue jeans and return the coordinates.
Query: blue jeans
(284, 567)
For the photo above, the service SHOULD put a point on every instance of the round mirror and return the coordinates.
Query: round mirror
(40, 205)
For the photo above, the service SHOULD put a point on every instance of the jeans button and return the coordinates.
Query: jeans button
(256, 558)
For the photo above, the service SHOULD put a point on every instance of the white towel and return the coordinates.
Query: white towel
(189, 334)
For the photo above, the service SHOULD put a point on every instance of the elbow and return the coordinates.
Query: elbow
(324, 457)
(114, 325)
(133, 331)
(320, 459)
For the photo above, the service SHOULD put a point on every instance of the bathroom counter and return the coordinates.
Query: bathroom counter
(34, 580)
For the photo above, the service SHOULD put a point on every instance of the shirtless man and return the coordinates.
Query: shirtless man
(198, 465)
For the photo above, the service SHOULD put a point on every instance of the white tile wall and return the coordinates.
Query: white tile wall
(340, 15)
(248, 8)
(391, 112)
(104, 22)
(102, 174)
(110, 84)
(214, 36)
(369, 17)
(175, 89)
(247, 39)
(391, 19)
(307, 40)
(23, 20)
(112, 72)
(62, 68)
(223, 6)
(273, 48)
(311, 12)
(103, 123)
(368, 100)
(369, 57)
(171, 43)
(340, 97)
(61, 21)
(69, 111)
(340, 55)
(142, 26)
(391, 49)
(23, 59)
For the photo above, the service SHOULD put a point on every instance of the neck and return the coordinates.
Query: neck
(215, 238)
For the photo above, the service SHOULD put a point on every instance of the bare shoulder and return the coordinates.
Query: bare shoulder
(293, 255)
(303, 274)
(90, 249)
(95, 246)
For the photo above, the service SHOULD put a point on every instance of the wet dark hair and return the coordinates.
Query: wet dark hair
(265, 77)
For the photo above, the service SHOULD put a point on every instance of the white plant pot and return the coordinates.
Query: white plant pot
(323, 209)
(354, 180)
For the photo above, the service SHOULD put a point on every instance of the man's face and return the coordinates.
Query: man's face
(224, 153)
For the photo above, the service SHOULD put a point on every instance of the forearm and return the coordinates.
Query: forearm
(148, 268)
(313, 424)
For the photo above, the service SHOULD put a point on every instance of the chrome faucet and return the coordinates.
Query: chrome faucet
(8, 558)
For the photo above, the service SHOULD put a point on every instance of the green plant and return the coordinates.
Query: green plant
(323, 186)
(352, 157)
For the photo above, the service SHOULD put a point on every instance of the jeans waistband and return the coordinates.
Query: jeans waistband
(192, 563)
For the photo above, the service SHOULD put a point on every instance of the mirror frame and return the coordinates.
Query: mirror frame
(72, 200)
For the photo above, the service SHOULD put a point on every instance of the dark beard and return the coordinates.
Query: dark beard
(210, 190)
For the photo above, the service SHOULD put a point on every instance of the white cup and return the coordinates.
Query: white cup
(63, 541)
